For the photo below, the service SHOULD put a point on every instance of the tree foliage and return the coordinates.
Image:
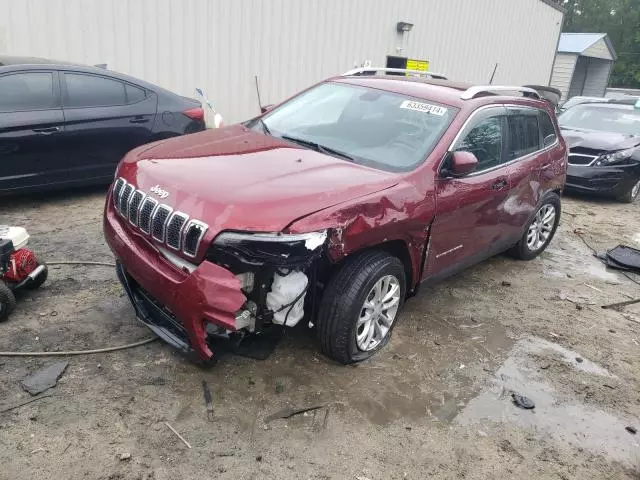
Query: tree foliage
(618, 18)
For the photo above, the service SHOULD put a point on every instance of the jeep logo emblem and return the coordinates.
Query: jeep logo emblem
(159, 191)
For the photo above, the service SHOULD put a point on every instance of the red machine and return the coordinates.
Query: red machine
(19, 267)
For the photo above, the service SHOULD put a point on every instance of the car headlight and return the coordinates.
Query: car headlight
(240, 251)
(615, 157)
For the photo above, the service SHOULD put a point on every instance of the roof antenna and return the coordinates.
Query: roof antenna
(258, 92)
(493, 74)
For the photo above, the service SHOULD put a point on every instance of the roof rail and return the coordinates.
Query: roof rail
(473, 92)
(359, 71)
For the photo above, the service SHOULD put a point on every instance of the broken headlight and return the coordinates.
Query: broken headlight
(615, 157)
(240, 251)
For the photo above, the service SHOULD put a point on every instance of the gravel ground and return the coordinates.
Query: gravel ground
(434, 404)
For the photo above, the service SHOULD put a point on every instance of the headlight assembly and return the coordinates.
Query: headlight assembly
(243, 250)
(615, 157)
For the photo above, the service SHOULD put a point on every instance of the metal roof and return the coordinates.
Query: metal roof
(579, 42)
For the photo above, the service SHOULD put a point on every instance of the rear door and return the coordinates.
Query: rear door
(469, 212)
(527, 158)
(104, 119)
(31, 122)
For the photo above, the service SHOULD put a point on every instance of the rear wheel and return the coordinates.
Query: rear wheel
(632, 195)
(540, 229)
(7, 301)
(360, 306)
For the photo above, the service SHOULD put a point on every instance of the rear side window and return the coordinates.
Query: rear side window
(134, 94)
(93, 91)
(547, 129)
(27, 91)
(524, 134)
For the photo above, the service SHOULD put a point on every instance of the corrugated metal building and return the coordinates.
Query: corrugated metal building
(220, 45)
(583, 64)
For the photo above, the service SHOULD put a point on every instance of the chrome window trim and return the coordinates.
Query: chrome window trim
(487, 107)
(164, 224)
(144, 195)
(204, 227)
(186, 219)
(153, 211)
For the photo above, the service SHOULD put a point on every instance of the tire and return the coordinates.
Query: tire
(343, 306)
(7, 301)
(39, 280)
(525, 250)
(632, 195)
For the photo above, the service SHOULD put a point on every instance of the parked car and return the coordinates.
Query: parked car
(604, 142)
(333, 207)
(65, 125)
(579, 100)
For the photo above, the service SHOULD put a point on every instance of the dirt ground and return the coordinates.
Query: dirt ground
(434, 404)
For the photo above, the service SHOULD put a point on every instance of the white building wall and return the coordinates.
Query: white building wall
(563, 68)
(219, 45)
(599, 50)
(597, 77)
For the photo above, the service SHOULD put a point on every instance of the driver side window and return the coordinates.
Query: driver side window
(484, 138)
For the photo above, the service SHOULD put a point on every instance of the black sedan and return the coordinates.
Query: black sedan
(66, 125)
(604, 143)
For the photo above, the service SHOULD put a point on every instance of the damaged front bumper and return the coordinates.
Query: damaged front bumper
(176, 305)
(246, 282)
(612, 180)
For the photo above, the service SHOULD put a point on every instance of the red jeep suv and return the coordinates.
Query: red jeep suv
(332, 207)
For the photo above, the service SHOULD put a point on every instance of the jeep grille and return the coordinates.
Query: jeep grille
(158, 220)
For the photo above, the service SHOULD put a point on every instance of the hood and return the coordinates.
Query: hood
(236, 179)
(598, 140)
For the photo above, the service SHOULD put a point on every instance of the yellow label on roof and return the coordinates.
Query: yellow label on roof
(420, 65)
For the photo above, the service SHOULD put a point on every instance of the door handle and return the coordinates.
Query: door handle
(499, 184)
(139, 119)
(46, 131)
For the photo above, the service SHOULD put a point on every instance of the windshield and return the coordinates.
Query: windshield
(370, 127)
(578, 100)
(625, 120)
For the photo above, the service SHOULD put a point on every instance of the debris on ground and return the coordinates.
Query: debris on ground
(522, 401)
(506, 284)
(123, 457)
(44, 379)
(579, 359)
(258, 458)
(622, 258)
(178, 435)
(618, 305)
(290, 412)
(631, 429)
(207, 400)
(23, 403)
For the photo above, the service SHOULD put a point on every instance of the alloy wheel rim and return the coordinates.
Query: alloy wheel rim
(378, 313)
(635, 190)
(541, 227)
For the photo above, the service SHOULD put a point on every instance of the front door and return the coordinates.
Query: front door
(31, 122)
(469, 210)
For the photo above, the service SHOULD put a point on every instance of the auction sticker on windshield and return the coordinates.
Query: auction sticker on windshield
(423, 107)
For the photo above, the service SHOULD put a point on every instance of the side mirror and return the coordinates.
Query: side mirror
(461, 163)
(266, 108)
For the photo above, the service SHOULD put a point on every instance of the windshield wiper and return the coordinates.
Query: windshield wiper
(265, 129)
(318, 148)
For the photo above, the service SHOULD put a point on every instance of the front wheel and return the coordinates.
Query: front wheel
(632, 195)
(7, 301)
(540, 229)
(360, 306)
